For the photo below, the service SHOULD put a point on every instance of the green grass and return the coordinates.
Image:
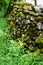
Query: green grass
(11, 53)
(3, 23)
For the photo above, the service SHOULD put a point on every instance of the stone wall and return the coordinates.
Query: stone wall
(26, 21)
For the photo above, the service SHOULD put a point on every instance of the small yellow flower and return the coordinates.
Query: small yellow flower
(21, 43)
(23, 35)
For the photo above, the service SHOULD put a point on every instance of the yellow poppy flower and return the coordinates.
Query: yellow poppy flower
(23, 35)
(21, 43)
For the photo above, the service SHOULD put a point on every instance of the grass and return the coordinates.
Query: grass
(3, 23)
(11, 53)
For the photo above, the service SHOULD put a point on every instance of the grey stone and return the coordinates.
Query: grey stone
(39, 25)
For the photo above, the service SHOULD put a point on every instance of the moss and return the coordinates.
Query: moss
(20, 13)
(42, 50)
(32, 12)
(39, 40)
(19, 10)
(19, 18)
(26, 11)
(25, 22)
(16, 6)
(39, 16)
(11, 24)
(27, 17)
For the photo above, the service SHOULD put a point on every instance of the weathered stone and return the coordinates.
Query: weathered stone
(27, 20)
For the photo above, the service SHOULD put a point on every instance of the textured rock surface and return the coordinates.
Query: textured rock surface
(27, 20)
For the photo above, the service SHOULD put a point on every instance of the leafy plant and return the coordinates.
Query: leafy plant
(39, 42)
(11, 53)
(3, 24)
(3, 6)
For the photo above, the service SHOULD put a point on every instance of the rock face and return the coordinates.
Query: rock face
(26, 19)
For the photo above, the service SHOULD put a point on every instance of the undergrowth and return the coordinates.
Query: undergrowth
(11, 53)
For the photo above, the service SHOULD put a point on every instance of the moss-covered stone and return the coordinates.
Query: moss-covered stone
(24, 20)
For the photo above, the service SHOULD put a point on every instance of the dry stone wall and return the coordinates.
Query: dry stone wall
(26, 20)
